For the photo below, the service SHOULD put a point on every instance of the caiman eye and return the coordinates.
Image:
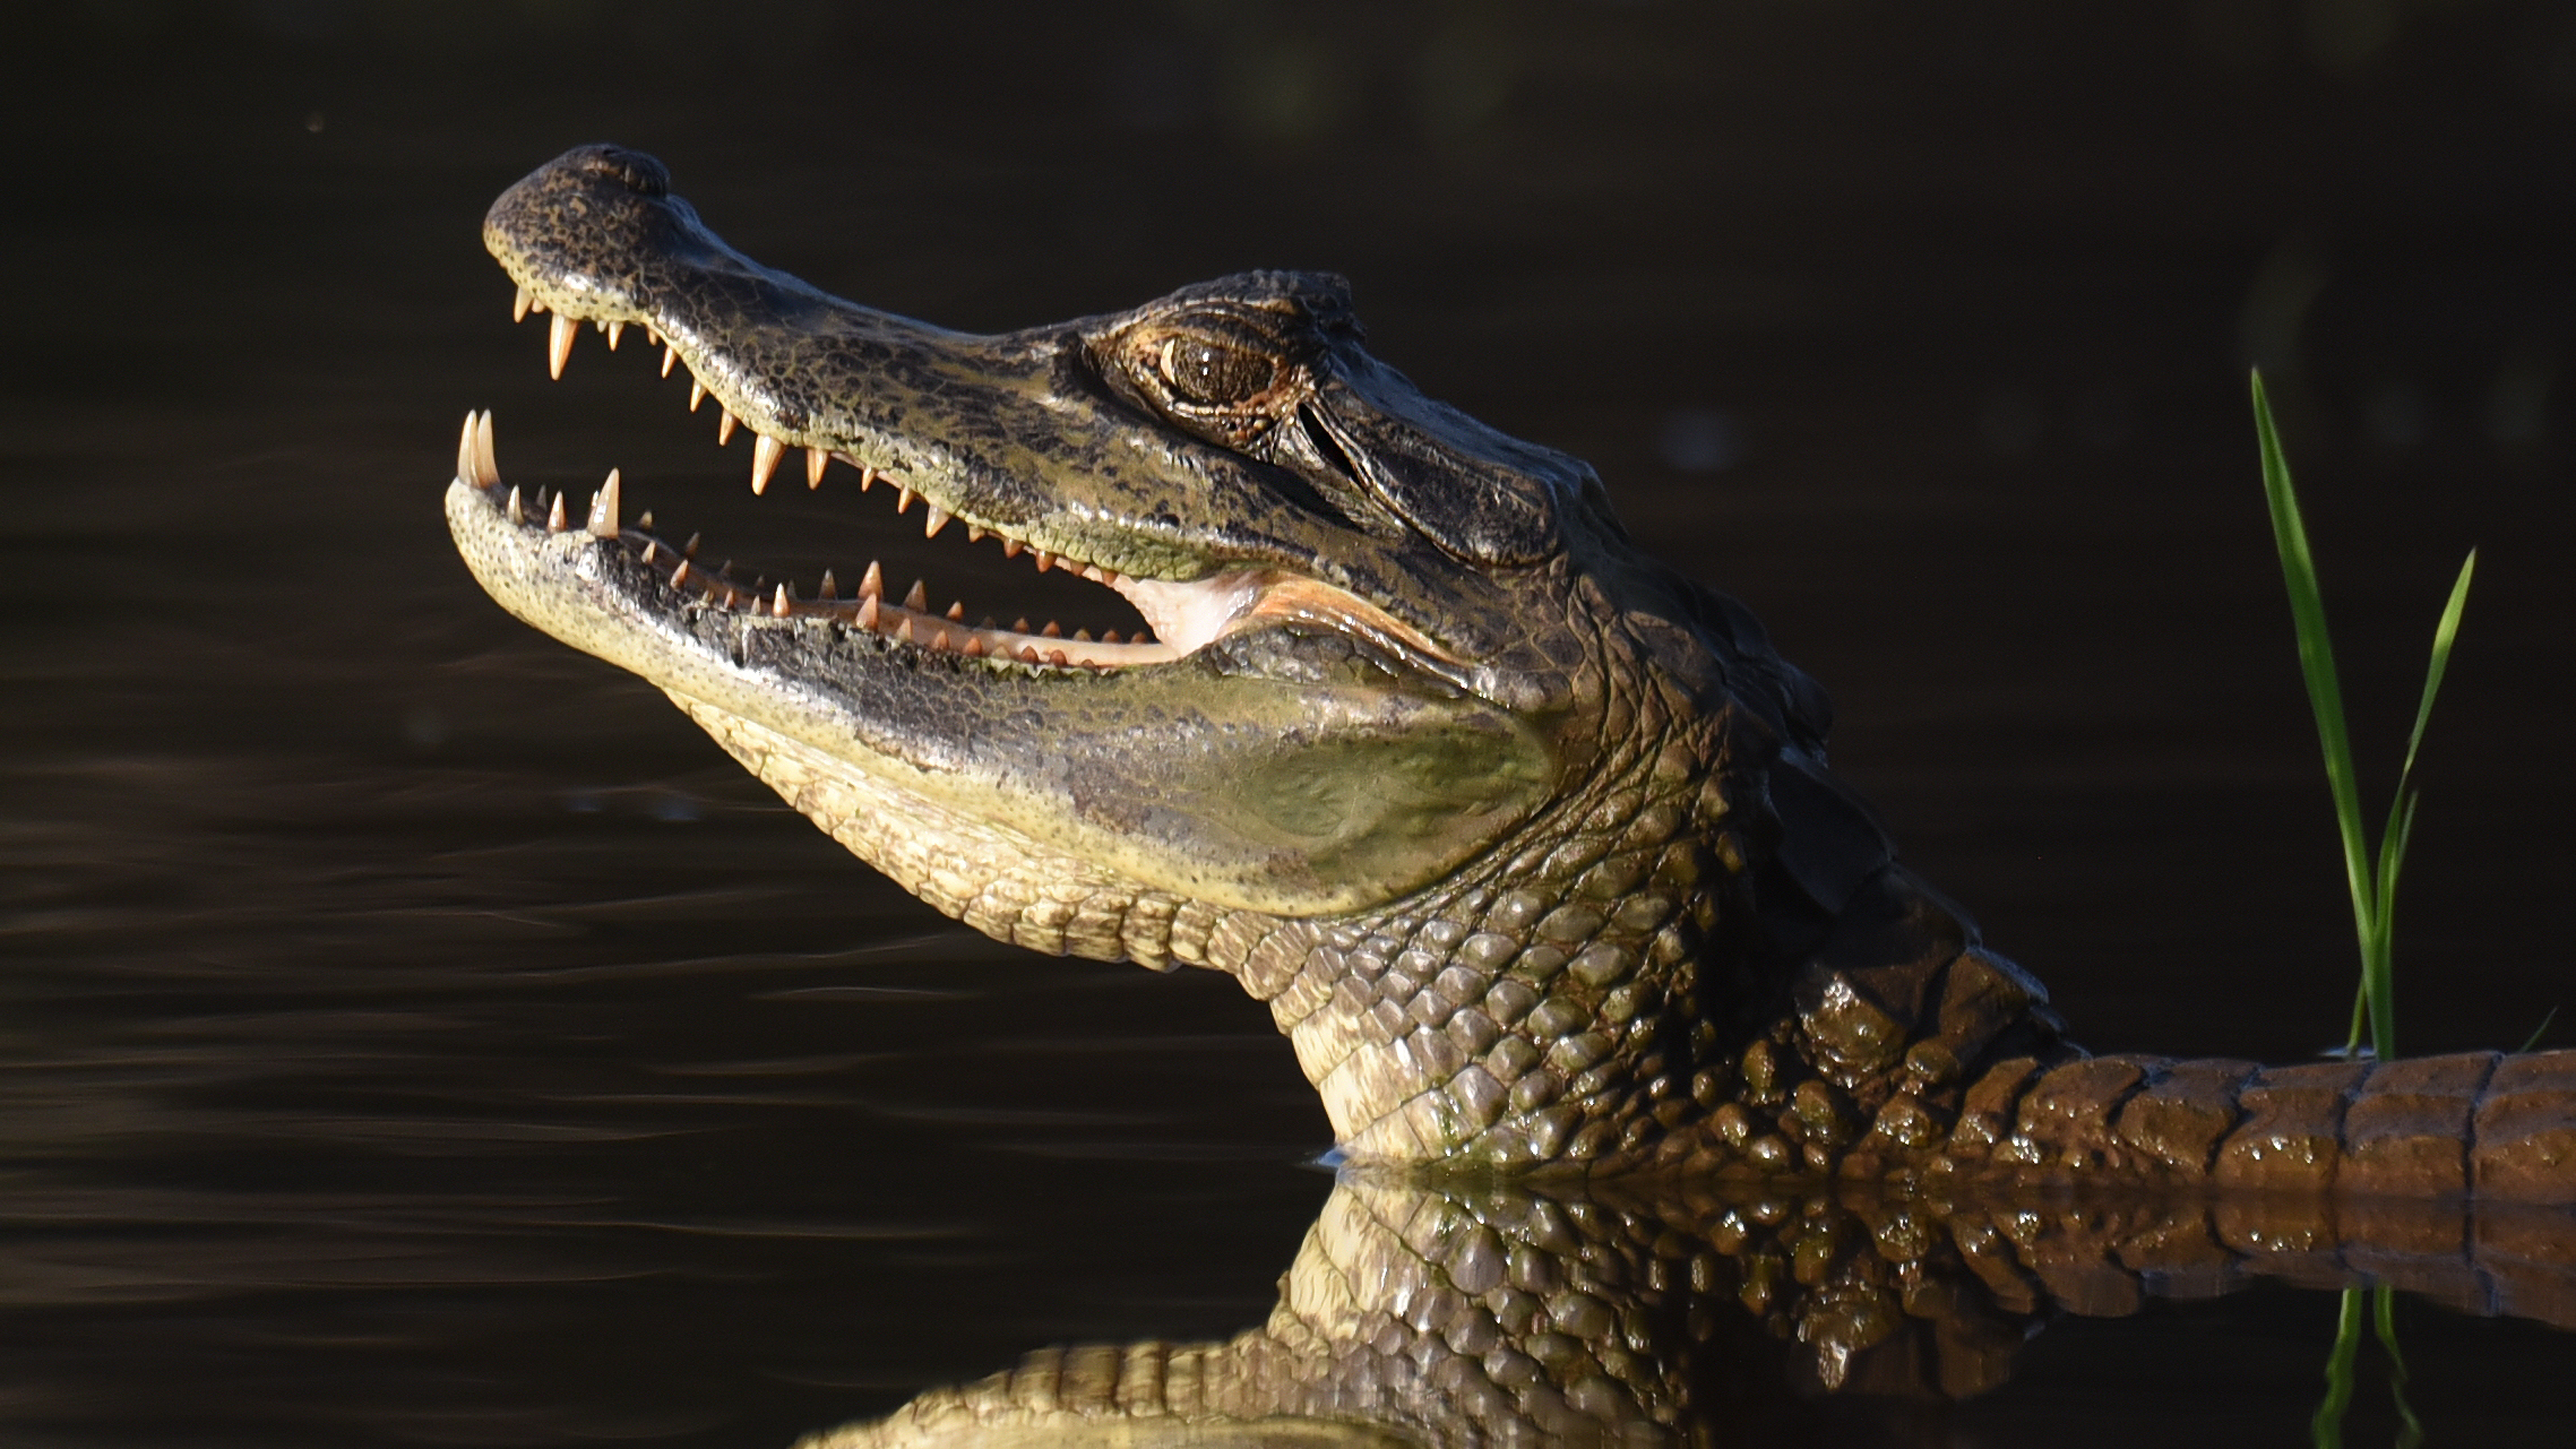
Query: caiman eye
(1211, 374)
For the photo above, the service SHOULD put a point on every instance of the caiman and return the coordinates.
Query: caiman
(1527, 840)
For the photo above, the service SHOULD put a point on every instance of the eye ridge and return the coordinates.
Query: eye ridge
(1207, 373)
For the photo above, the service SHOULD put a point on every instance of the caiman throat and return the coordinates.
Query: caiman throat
(1527, 840)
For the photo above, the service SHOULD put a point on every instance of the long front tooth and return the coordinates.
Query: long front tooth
(778, 605)
(829, 588)
(603, 508)
(465, 450)
(615, 331)
(483, 457)
(933, 519)
(765, 453)
(555, 516)
(558, 344)
(867, 478)
(697, 393)
(868, 612)
(917, 599)
(518, 511)
(725, 427)
(872, 583)
(903, 500)
(519, 306)
(670, 355)
(816, 460)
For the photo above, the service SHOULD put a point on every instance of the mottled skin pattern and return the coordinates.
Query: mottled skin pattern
(1708, 1313)
(1528, 842)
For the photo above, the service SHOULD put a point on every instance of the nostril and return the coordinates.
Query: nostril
(641, 173)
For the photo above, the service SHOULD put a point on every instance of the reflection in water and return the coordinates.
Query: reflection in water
(2326, 1429)
(1713, 1313)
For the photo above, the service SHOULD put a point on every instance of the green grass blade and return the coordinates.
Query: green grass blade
(2316, 658)
(2379, 956)
(2538, 1032)
(2325, 1427)
(2410, 1430)
(2444, 634)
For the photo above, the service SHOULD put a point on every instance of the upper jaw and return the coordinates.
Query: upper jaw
(1012, 435)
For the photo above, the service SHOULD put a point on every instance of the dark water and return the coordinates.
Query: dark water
(413, 1033)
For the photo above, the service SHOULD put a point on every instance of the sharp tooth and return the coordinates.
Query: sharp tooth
(829, 589)
(872, 583)
(536, 306)
(483, 458)
(725, 569)
(1028, 654)
(867, 478)
(615, 331)
(725, 427)
(974, 646)
(518, 512)
(988, 623)
(697, 393)
(652, 336)
(1045, 559)
(1019, 626)
(1053, 630)
(974, 534)
(1109, 577)
(691, 547)
(652, 548)
(558, 344)
(1091, 572)
(765, 453)
(1108, 636)
(680, 575)
(778, 605)
(555, 516)
(670, 355)
(957, 610)
(1056, 658)
(1011, 547)
(731, 598)
(519, 306)
(916, 600)
(933, 519)
(816, 460)
(646, 522)
(465, 450)
(903, 631)
(1081, 636)
(603, 508)
(939, 640)
(868, 612)
(903, 500)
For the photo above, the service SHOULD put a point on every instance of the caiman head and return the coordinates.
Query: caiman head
(1422, 748)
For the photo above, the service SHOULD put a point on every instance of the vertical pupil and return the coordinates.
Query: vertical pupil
(1209, 372)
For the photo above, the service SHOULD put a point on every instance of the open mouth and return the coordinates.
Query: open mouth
(1182, 616)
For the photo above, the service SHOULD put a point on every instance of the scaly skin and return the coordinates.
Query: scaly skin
(1528, 842)
(1708, 1314)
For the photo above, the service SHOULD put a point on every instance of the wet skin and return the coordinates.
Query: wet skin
(1528, 841)
(1647, 1052)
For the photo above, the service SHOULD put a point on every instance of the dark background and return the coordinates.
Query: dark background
(413, 1032)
